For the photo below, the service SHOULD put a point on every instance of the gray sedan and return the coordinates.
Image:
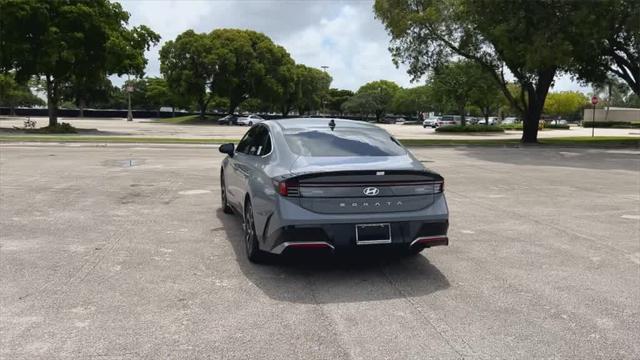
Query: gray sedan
(321, 184)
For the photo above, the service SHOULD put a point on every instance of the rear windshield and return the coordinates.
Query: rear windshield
(342, 142)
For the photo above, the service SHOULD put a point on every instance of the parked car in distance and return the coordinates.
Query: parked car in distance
(249, 120)
(492, 120)
(559, 122)
(330, 184)
(393, 120)
(228, 120)
(510, 120)
(449, 120)
(431, 122)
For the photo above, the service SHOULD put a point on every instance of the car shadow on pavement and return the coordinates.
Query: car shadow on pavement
(327, 278)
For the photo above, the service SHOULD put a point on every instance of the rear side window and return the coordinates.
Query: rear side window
(342, 142)
(256, 142)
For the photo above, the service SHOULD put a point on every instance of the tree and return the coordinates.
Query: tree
(485, 94)
(532, 39)
(63, 41)
(363, 104)
(84, 92)
(376, 96)
(13, 94)
(312, 86)
(452, 86)
(188, 64)
(412, 100)
(565, 103)
(250, 65)
(335, 99)
(615, 50)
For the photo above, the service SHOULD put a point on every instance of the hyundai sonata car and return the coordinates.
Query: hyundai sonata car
(313, 184)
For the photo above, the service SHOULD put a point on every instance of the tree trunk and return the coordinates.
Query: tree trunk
(12, 110)
(463, 119)
(52, 101)
(81, 104)
(173, 111)
(536, 97)
(203, 108)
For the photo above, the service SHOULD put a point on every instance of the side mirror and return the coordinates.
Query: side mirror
(227, 149)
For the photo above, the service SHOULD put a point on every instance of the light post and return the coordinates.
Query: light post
(129, 89)
(594, 102)
(324, 111)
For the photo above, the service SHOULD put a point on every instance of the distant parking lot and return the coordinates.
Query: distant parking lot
(151, 128)
(123, 252)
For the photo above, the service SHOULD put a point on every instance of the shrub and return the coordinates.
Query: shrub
(469, 128)
(612, 124)
(60, 128)
(517, 126)
(557, 126)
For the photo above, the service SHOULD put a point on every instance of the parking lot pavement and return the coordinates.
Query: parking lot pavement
(123, 252)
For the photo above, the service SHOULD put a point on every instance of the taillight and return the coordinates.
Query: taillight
(287, 188)
(439, 186)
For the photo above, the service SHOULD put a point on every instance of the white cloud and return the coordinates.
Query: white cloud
(343, 35)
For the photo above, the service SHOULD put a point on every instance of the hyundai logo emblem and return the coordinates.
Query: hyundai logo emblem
(371, 191)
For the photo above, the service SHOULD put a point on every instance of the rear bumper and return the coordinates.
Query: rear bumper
(343, 236)
(291, 226)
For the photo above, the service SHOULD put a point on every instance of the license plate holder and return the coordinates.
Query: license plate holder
(371, 234)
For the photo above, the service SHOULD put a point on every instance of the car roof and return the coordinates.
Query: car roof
(319, 123)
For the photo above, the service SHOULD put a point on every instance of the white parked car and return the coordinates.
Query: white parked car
(492, 121)
(559, 122)
(249, 120)
(430, 122)
(510, 120)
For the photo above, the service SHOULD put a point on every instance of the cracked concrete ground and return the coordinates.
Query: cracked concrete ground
(122, 252)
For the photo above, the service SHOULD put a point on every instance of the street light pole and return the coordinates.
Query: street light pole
(324, 111)
(594, 102)
(129, 89)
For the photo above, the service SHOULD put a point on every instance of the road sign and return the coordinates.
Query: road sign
(129, 88)
(594, 100)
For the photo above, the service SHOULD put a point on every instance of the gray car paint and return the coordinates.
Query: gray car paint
(251, 177)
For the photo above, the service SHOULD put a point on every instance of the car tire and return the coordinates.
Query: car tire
(250, 123)
(252, 250)
(223, 196)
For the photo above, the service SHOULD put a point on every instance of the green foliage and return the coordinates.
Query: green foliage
(469, 128)
(533, 39)
(615, 50)
(565, 103)
(232, 64)
(60, 128)
(373, 98)
(69, 42)
(517, 126)
(13, 94)
(335, 99)
(312, 86)
(612, 124)
(412, 100)
(557, 126)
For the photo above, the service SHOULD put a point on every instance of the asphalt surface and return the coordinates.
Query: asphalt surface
(152, 128)
(122, 252)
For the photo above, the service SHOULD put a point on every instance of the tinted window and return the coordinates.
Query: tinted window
(256, 142)
(342, 142)
(247, 140)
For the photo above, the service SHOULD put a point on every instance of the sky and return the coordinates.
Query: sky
(343, 35)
